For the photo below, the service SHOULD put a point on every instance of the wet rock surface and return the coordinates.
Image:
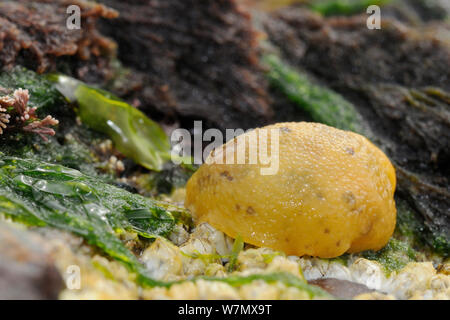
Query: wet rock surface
(26, 268)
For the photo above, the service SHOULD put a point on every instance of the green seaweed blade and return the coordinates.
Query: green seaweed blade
(323, 105)
(39, 194)
(133, 133)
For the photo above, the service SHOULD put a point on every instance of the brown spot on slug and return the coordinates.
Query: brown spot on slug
(350, 151)
(349, 197)
(227, 175)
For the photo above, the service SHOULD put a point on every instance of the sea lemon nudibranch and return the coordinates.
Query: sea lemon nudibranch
(333, 193)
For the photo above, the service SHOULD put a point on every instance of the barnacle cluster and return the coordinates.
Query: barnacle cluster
(200, 255)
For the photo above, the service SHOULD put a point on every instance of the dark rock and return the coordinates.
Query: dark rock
(341, 288)
(199, 60)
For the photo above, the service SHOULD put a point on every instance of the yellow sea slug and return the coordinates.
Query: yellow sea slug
(333, 192)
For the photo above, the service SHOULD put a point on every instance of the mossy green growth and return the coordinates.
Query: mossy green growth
(71, 146)
(410, 230)
(322, 104)
(43, 95)
(343, 7)
(393, 257)
(408, 227)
